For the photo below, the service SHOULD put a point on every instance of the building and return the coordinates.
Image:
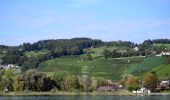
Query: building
(136, 49)
(163, 85)
(163, 54)
(142, 90)
(9, 66)
(107, 88)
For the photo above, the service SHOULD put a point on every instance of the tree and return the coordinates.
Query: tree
(106, 53)
(19, 83)
(29, 77)
(2, 84)
(86, 83)
(58, 81)
(38, 81)
(94, 84)
(150, 81)
(8, 78)
(72, 83)
(132, 83)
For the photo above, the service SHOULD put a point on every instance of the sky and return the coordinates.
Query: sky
(128, 20)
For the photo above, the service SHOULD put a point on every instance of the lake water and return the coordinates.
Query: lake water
(163, 97)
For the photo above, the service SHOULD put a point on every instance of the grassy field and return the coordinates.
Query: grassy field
(97, 52)
(99, 67)
(163, 71)
(148, 64)
(110, 68)
(35, 53)
(166, 45)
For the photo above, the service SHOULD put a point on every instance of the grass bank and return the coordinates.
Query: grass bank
(121, 93)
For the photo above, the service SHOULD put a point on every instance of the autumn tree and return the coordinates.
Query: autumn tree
(150, 81)
(132, 83)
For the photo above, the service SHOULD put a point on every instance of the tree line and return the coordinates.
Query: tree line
(146, 48)
(33, 80)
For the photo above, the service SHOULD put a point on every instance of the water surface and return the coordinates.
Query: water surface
(162, 97)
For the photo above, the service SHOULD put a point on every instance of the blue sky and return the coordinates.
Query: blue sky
(132, 20)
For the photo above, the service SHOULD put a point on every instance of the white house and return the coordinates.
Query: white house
(164, 82)
(142, 90)
(9, 66)
(163, 54)
(136, 49)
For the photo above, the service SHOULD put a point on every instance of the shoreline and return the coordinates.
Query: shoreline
(78, 94)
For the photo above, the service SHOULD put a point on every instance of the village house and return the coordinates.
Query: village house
(9, 66)
(163, 54)
(163, 85)
(112, 86)
(142, 90)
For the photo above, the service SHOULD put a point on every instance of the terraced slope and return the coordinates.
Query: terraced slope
(148, 64)
(110, 68)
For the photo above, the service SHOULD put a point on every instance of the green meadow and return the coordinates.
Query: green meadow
(108, 68)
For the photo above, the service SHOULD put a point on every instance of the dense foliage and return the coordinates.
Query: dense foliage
(150, 81)
(33, 80)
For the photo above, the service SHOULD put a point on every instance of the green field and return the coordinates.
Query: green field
(35, 53)
(110, 69)
(163, 71)
(97, 52)
(113, 68)
(166, 45)
(148, 64)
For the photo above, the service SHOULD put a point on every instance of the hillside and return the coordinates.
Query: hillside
(163, 71)
(97, 52)
(165, 45)
(148, 64)
(110, 69)
(94, 57)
